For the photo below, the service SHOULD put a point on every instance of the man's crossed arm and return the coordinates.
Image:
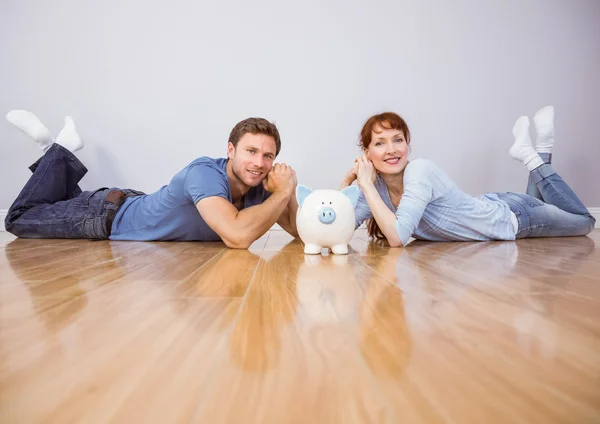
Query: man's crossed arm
(239, 229)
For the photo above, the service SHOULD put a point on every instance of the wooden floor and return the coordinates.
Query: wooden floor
(127, 332)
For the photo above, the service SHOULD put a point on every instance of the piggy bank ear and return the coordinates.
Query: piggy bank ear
(352, 192)
(302, 193)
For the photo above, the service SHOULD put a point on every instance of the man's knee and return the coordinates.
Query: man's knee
(11, 226)
(9, 222)
(14, 225)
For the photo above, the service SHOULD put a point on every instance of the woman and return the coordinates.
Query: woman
(403, 199)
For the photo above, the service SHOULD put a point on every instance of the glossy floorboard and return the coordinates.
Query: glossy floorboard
(119, 332)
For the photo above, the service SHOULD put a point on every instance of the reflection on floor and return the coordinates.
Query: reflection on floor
(192, 332)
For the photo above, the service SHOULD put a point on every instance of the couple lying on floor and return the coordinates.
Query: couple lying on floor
(239, 198)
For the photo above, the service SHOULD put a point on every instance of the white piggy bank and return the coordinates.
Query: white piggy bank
(326, 218)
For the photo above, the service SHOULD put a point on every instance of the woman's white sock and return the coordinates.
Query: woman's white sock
(544, 126)
(522, 149)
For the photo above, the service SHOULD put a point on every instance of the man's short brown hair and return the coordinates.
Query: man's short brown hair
(255, 126)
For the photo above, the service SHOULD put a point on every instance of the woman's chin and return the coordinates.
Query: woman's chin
(389, 169)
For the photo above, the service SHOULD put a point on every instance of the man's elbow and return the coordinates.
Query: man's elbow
(288, 226)
(239, 243)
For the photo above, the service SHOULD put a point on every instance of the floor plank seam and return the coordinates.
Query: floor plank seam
(200, 267)
(393, 283)
(210, 377)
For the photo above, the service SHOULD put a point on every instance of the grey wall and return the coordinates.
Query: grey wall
(154, 84)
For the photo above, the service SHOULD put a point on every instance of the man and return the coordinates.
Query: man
(234, 199)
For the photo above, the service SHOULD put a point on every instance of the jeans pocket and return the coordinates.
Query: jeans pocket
(94, 228)
(90, 194)
(531, 201)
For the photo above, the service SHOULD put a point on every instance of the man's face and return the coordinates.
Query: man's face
(253, 158)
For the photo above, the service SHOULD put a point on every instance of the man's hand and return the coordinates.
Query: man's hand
(239, 229)
(350, 176)
(281, 179)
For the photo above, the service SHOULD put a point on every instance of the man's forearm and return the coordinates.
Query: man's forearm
(293, 211)
(345, 183)
(253, 222)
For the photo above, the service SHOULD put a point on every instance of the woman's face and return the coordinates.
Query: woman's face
(388, 150)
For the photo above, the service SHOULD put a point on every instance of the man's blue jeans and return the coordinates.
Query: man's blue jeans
(51, 205)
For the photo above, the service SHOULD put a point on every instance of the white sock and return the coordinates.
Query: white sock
(522, 149)
(68, 137)
(544, 126)
(32, 126)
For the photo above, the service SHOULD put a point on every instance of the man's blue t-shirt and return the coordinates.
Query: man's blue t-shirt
(170, 213)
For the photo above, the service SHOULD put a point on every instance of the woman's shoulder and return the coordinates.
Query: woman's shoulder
(421, 172)
(418, 167)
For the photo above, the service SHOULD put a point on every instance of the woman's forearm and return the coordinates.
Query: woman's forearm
(385, 218)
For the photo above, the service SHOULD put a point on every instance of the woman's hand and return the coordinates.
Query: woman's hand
(366, 174)
(350, 176)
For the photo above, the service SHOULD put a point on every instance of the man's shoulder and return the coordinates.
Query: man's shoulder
(203, 177)
(208, 162)
(216, 167)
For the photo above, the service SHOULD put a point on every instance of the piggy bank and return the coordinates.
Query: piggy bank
(326, 218)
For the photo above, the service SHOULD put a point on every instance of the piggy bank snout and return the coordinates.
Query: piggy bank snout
(326, 215)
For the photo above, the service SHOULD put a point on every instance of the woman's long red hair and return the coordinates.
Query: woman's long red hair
(375, 124)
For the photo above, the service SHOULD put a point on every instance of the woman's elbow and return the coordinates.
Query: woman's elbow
(393, 240)
(395, 243)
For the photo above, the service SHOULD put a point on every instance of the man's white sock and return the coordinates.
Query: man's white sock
(32, 126)
(68, 137)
